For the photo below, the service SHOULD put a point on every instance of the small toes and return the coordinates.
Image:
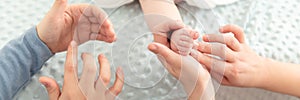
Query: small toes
(184, 53)
(186, 44)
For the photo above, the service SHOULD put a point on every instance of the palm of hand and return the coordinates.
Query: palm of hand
(80, 22)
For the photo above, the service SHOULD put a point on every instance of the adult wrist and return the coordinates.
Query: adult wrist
(203, 89)
(39, 34)
(266, 73)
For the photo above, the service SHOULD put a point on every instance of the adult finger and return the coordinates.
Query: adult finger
(164, 51)
(52, 87)
(236, 30)
(195, 34)
(160, 38)
(217, 49)
(168, 26)
(70, 71)
(101, 37)
(95, 14)
(212, 64)
(119, 82)
(87, 79)
(106, 29)
(103, 25)
(59, 7)
(167, 57)
(104, 69)
(227, 39)
(221, 79)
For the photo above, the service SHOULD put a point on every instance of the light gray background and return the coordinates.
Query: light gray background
(271, 26)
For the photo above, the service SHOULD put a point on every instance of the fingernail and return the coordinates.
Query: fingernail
(120, 72)
(205, 37)
(115, 38)
(196, 34)
(153, 47)
(101, 55)
(73, 44)
(221, 29)
(45, 84)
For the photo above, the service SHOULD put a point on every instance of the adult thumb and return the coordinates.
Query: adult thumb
(163, 51)
(59, 6)
(51, 86)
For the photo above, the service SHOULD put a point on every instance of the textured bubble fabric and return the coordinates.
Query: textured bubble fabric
(271, 27)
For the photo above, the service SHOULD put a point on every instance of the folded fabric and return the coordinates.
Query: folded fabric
(112, 3)
(205, 4)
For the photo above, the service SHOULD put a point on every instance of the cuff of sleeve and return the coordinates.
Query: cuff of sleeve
(40, 51)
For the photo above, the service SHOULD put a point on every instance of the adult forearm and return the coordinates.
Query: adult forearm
(204, 91)
(283, 78)
(158, 11)
(20, 59)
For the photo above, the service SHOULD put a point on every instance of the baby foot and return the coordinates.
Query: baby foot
(182, 40)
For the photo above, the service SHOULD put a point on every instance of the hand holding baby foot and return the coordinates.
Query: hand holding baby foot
(80, 22)
(182, 40)
(240, 65)
(194, 78)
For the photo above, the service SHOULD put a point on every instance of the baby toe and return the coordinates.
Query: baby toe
(183, 53)
(185, 44)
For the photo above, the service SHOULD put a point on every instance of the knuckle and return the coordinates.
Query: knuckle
(231, 57)
(110, 40)
(69, 67)
(118, 90)
(105, 26)
(205, 47)
(51, 90)
(230, 41)
(222, 47)
(105, 79)
(234, 73)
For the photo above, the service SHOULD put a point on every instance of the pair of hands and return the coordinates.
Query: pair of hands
(182, 40)
(239, 64)
(81, 23)
(65, 21)
(87, 88)
(236, 67)
(195, 78)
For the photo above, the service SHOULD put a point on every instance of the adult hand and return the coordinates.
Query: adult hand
(195, 79)
(240, 65)
(87, 88)
(162, 31)
(80, 22)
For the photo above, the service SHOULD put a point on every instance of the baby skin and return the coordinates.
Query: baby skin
(182, 40)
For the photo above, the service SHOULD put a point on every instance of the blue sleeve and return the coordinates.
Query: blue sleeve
(20, 59)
